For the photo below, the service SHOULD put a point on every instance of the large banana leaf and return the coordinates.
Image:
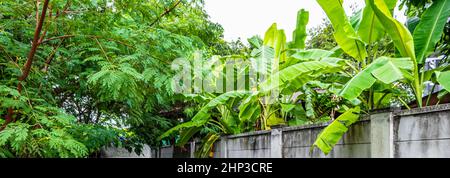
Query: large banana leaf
(429, 30)
(263, 60)
(370, 29)
(203, 116)
(401, 36)
(299, 35)
(384, 69)
(412, 23)
(314, 54)
(290, 73)
(345, 35)
(444, 79)
(306, 55)
(356, 18)
(403, 41)
(276, 39)
(249, 111)
(186, 135)
(334, 132)
(207, 145)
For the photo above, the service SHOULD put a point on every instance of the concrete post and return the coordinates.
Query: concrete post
(192, 149)
(382, 135)
(223, 147)
(276, 143)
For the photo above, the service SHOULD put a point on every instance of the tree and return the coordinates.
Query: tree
(94, 65)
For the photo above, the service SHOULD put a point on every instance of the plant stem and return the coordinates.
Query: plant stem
(404, 103)
(429, 95)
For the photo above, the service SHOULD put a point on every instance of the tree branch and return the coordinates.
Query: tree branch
(167, 11)
(55, 38)
(27, 67)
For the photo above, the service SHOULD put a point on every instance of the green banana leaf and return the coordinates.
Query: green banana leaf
(186, 135)
(299, 35)
(331, 135)
(429, 30)
(401, 36)
(207, 145)
(203, 116)
(306, 55)
(314, 54)
(412, 23)
(444, 79)
(356, 19)
(345, 35)
(370, 29)
(277, 40)
(383, 69)
(296, 71)
(249, 111)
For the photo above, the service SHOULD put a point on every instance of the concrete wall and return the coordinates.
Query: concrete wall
(297, 142)
(423, 133)
(248, 145)
(113, 152)
(147, 152)
(417, 133)
(166, 152)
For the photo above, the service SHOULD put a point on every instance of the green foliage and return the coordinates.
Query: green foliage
(344, 34)
(444, 79)
(429, 30)
(386, 70)
(331, 135)
(299, 34)
(100, 66)
(399, 33)
(371, 29)
(204, 115)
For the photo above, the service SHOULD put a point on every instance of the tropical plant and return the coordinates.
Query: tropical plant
(283, 68)
(379, 78)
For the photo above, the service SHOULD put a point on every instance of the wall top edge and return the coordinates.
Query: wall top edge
(424, 110)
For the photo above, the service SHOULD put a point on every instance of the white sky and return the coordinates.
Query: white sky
(246, 18)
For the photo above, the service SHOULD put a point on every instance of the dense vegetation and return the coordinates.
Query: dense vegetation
(373, 62)
(78, 75)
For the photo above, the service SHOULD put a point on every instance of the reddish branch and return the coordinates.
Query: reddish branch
(27, 67)
(55, 38)
(167, 11)
(46, 28)
(34, 46)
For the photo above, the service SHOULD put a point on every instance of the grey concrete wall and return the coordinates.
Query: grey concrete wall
(297, 142)
(423, 133)
(248, 145)
(166, 152)
(113, 152)
(417, 133)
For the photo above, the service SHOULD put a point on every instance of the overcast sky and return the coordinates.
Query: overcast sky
(245, 18)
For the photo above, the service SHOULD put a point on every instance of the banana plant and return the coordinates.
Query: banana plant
(374, 74)
(217, 117)
(296, 68)
(284, 67)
